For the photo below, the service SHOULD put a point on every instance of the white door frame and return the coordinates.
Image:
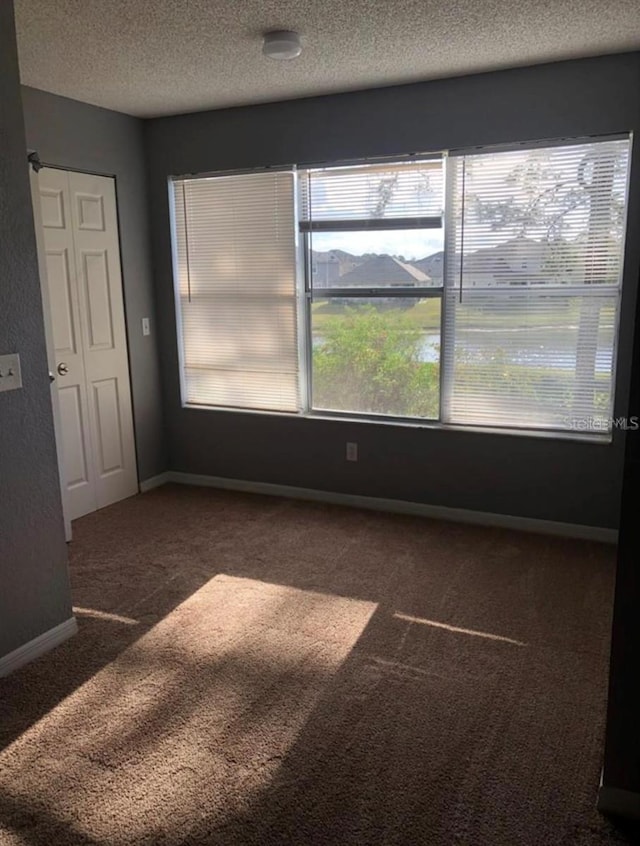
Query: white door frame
(46, 303)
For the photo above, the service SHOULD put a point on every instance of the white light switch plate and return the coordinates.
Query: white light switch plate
(10, 376)
(146, 327)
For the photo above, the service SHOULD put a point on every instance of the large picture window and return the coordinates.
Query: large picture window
(477, 289)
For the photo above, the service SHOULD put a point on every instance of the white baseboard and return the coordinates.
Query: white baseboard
(621, 803)
(154, 482)
(398, 506)
(38, 646)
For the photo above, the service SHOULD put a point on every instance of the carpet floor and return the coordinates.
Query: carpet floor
(252, 670)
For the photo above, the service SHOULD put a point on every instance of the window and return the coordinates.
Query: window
(474, 289)
(375, 313)
(534, 249)
(235, 271)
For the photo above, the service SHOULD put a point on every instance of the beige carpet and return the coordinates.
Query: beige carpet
(260, 671)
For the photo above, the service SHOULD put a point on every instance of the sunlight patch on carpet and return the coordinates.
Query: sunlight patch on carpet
(457, 629)
(95, 614)
(193, 718)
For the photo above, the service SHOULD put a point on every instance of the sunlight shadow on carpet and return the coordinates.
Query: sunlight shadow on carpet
(194, 717)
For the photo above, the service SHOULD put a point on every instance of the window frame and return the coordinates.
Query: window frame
(173, 182)
(301, 236)
(306, 228)
(573, 433)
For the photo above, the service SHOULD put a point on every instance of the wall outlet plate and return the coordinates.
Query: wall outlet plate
(352, 451)
(10, 375)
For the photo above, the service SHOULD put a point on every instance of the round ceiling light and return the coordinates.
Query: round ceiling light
(281, 44)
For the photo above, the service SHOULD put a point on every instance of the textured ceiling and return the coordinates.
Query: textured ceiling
(156, 57)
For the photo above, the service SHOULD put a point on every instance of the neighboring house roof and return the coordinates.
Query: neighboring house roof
(418, 275)
(381, 271)
(322, 256)
(431, 265)
(519, 261)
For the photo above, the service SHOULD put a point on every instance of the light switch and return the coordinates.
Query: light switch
(10, 376)
(146, 327)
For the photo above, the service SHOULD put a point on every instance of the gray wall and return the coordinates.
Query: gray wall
(34, 588)
(536, 477)
(77, 136)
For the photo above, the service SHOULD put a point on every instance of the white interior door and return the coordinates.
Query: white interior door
(51, 355)
(80, 233)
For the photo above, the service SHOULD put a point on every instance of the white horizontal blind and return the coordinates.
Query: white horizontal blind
(373, 191)
(534, 264)
(234, 243)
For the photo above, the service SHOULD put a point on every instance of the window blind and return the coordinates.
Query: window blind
(235, 266)
(373, 192)
(534, 244)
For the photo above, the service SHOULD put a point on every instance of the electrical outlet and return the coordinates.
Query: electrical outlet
(146, 326)
(352, 451)
(10, 375)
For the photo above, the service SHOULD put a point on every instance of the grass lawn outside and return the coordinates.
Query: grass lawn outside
(425, 315)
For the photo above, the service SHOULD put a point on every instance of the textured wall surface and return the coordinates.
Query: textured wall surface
(34, 588)
(536, 477)
(73, 135)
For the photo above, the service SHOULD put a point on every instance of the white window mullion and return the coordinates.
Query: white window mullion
(304, 351)
(451, 250)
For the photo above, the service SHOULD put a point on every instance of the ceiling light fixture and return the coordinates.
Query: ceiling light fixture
(281, 44)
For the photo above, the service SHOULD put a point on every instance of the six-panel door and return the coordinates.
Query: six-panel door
(87, 314)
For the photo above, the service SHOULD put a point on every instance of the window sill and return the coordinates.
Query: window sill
(604, 438)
